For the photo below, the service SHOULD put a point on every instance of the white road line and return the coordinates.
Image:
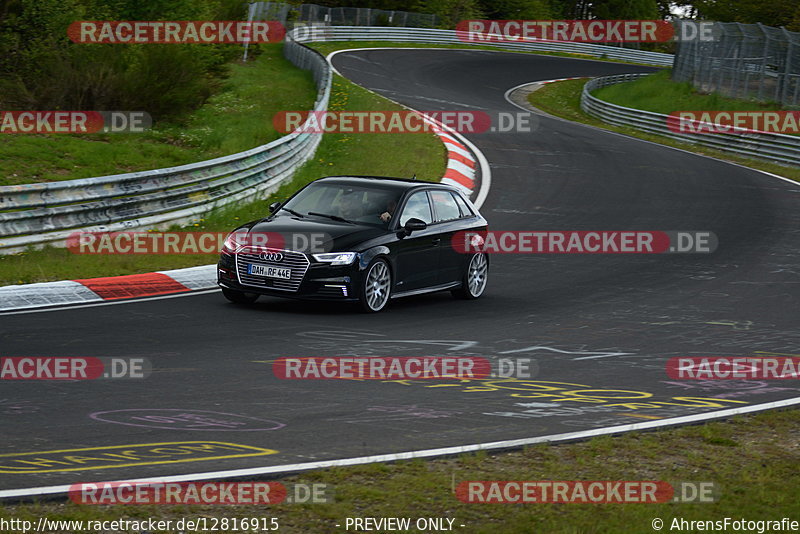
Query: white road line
(112, 302)
(540, 112)
(424, 453)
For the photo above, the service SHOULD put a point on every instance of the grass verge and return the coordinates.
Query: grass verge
(751, 459)
(237, 126)
(236, 118)
(659, 94)
(563, 99)
(401, 155)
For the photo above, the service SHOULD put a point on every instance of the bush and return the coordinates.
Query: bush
(41, 69)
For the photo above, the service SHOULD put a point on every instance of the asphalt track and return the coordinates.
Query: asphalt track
(600, 327)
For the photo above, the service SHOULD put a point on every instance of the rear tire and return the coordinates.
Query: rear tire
(376, 286)
(239, 297)
(474, 281)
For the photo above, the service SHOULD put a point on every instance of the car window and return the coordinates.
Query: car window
(465, 211)
(445, 206)
(417, 207)
(354, 203)
(365, 205)
(311, 199)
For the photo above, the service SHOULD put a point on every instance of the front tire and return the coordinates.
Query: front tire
(376, 286)
(475, 278)
(238, 297)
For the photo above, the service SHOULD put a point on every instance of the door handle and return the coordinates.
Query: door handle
(436, 240)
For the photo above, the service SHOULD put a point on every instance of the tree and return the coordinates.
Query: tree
(795, 24)
(625, 9)
(518, 9)
(450, 12)
(767, 12)
(40, 68)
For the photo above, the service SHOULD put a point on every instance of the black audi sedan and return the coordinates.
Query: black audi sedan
(357, 239)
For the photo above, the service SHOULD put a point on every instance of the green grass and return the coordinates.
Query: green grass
(659, 94)
(237, 118)
(376, 154)
(562, 99)
(752, 459)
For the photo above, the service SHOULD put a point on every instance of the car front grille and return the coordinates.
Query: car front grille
(296, 261)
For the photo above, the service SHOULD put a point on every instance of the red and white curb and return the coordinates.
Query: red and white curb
(461, 165)
(89, 290)
(460, 173)
(463, 160)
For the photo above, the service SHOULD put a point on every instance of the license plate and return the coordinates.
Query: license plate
(269, 271)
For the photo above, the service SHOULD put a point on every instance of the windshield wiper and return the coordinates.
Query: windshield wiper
(293, 212)
(333, 217)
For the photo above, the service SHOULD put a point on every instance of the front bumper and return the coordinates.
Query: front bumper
(320, 281)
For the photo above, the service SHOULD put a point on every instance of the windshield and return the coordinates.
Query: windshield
(354, 203)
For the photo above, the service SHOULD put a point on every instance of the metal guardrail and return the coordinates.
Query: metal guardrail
(36, 214)
(779, 148)
(427, 35)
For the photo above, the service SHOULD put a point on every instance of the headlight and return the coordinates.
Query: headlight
(234, 241)
(336, 258)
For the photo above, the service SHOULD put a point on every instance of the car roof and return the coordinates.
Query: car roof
(401, 184)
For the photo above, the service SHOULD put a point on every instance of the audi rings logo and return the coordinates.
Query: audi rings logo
(271, 256)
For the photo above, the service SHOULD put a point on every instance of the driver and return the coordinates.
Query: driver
(350, 206)
(386, 216)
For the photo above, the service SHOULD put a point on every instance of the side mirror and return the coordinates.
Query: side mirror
(414, 225)
(274, 207)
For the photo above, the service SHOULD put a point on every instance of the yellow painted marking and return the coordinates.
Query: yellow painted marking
(132, 455)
